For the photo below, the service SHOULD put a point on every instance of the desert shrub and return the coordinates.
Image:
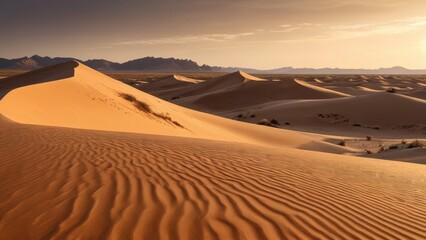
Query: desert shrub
(368, 151)
(144, 107)
(368, 138)
(391, 90)
(274, 121)
(342, 143)
(403, 142)
(138, 104)
(175, 98)
(416, 144)
(287, 123)
(393, 147)
(167, 117)
(356, 125)
(128, 97)
(264, 122)
(253, 116)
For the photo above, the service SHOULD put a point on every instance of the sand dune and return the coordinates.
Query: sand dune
(83, 156)
(170, 83)
(73, 95)
(58, 183)
(385, 111)
(414, 155)
(418, 94)
(218, 84)
(251, 93)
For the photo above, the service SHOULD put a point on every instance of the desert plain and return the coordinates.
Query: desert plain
(91, 155)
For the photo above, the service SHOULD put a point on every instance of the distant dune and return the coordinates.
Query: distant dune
(241, 90)
(384, 111)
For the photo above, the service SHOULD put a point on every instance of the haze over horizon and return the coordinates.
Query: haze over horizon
(243, 33)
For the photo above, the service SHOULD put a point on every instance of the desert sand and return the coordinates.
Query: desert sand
(85, 156)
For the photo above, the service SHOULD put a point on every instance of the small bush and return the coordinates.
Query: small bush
(356, 125)
(391, 90)
(274, 121)
(368, 138)
(264, 122)
(342, 143)
(128, 97)
(253, 116)
(416, 144)
(144, 107)
(393, 147)
(403, 142)
(287, 123)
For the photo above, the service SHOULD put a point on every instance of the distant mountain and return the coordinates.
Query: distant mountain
(142, 64)
(102, 65)
(152, 64)
(28, 63)
(163, 64)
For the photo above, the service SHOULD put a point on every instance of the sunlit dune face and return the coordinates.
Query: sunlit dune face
(249, 33)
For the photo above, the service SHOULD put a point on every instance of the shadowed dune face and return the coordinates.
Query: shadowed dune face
(258, 92)
(374, 112)
(53, 73)
(60, 183)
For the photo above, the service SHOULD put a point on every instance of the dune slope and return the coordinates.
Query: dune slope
(58, 183)
(73, 95)
(384, 111)
(252, 93)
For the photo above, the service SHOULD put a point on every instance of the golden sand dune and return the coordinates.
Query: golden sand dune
(58, 183)
(218, 84)
(93, 158)
(170, 83)
(257, 92)
(73, 95)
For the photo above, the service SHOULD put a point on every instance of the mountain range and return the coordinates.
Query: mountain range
(151, 64)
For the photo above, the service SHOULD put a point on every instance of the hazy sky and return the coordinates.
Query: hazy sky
(248, 33)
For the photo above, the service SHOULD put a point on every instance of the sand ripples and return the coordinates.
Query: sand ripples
(74, 184)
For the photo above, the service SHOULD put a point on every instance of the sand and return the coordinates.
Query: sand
(59, 183)
(73, 95)
(79, 161)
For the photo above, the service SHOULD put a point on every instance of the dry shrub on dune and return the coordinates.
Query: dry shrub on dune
(144, 107)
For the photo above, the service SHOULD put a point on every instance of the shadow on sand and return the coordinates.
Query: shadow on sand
(48, 74)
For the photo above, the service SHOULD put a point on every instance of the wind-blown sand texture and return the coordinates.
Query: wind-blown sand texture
(82, 161)
(76, 184)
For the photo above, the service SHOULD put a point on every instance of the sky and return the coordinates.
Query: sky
(263, 34)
